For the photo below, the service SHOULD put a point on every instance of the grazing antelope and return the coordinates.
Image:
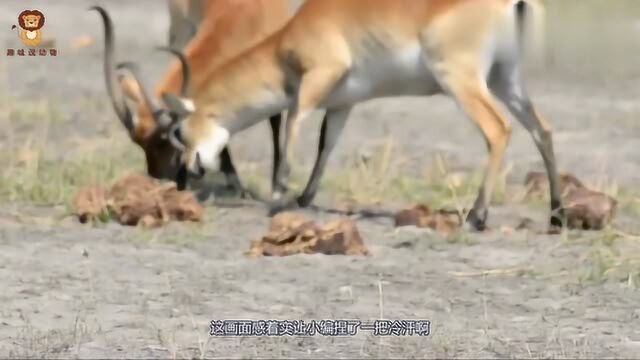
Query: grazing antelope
(334, 54)
(227, 27)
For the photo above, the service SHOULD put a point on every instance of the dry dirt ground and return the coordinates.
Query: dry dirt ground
(74, 291)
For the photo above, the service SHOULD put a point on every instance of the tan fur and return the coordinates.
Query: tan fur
(332, 33)
(302, 67)
(226, 27)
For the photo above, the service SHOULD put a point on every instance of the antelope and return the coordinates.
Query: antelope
(226, 28)
(333, 54)
(184, 18)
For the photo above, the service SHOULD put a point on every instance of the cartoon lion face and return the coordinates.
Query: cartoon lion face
(31, 20)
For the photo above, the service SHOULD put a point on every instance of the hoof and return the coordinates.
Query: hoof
(234, 189)
(279, 187)
(555, 225)
(247, 195)
(304, 201)
(557, 221)
(241, 192)
(234, 186)
(477, 219)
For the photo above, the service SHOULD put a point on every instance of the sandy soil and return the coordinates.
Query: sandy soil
(69, 290)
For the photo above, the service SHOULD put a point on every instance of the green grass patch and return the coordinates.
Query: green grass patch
(44, 181)
(610, 256)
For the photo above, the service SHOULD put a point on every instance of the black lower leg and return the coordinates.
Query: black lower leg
(229, 170)
(477, 216)
(281, 170)
(546, 149)
(181, 178)
(311, 189)
(275, 122)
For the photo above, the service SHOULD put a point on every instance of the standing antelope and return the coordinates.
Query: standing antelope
(334, 54)
(227, 27)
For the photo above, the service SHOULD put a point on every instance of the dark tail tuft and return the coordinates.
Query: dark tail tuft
(521, 14)
(13, 27)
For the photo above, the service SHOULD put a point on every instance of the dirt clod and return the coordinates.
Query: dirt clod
(292, 234)
(137, 200)
(441, 220)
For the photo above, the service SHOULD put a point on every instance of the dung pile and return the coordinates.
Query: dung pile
(137, 200)
(442, 221)
(292, 234)
(585, 208)
(537, 183)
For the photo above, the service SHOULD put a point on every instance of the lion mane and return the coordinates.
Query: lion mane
(25, 13)
(30, 35)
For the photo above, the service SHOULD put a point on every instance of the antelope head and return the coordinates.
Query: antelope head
(148, 122)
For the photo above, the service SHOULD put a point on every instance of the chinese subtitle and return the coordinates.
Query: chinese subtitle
(318, 327)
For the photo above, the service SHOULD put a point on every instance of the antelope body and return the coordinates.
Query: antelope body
(334, 54)
(210, 32)
(184, 18)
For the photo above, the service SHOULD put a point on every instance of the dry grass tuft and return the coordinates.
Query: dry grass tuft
(381, 178)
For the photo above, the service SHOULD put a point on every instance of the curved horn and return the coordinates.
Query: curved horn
(177, 143)
(113, 87)
(186, 69)
(156, 110)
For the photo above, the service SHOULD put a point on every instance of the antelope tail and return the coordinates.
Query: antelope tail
(530, 15)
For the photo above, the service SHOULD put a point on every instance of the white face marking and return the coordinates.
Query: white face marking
(209, 149)
(189, 105)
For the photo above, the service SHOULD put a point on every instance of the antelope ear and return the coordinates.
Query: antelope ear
(130, 88)
(182, 107)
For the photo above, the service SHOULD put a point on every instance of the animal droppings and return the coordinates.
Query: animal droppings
(588, 210)
(292, 234)
(584, 208)
(537, 183)
(137, 200)
(442, 221)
